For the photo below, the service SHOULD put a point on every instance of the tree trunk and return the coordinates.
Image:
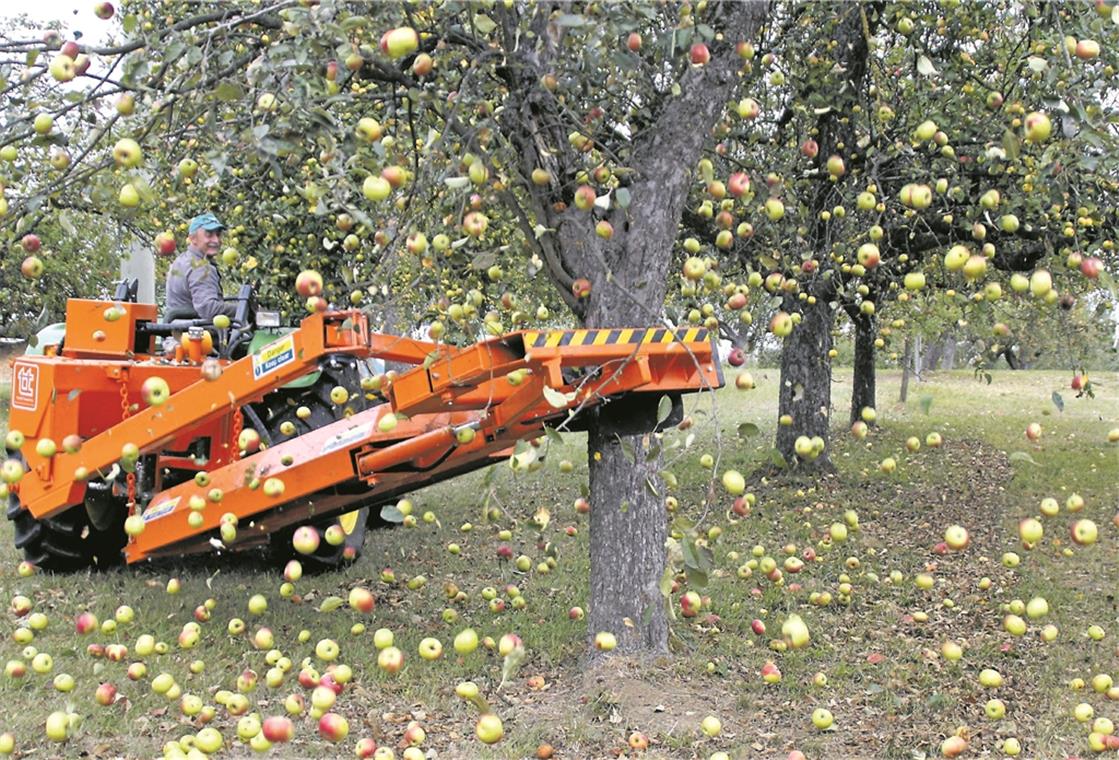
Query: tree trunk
(628, 286)
(918, 357)
(906, 361)
(863, 376)
(805, 391)
(629, 527)
(948, 358)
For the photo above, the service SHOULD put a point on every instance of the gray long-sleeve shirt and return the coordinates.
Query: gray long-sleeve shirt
(194, 287)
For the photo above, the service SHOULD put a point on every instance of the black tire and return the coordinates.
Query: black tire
(280, 407)
(70, 541)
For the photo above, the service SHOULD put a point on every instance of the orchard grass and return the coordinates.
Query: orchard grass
(891, 691)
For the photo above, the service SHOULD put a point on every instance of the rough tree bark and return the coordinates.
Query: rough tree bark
(628, 286)
(906, 363)
(805, 392)
(863, 375)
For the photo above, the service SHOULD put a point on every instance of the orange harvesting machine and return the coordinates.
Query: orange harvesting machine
(133, 439)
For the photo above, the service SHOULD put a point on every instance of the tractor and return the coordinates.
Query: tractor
(132, 439)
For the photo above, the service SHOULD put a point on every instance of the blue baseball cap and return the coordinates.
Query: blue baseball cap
(205, 221)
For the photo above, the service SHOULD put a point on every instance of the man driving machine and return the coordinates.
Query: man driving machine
(193, 283)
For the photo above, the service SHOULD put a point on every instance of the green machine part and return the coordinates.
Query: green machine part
(262, 338)
(51, 335)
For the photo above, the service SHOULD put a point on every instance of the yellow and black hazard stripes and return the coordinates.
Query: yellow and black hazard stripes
(624, 336)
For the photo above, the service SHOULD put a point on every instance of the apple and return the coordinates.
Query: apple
(390, 659)
(32, 267)
(58, 726)
(738, 184)
(155, 391)
(1033, 432)
(489, 729)
(430, 649)
(308, 283)
(953, 746)
(399, 42)
(822, 718)
(305, 540)
(127, 153)
(423, 65)
(781, 325)
(868, 255)
(1091, 266)
(836, 167)
(1038, 127)
(1030, 530)
(774, 209)
(810, 148)
(956, 536)
(604, 641)
(711, 726)
(362, 600)
(466, 641)
(62, 67)
(475, 224)
(129, 196)
(1084, 532)
(85, 623)
(690, 604)
(699, 55)
(795, 631)
(333, 727)
(376, 189)
(103, 10)
(165, 243)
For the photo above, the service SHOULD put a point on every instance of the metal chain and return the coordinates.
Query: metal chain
(238, 424)
(130, 479)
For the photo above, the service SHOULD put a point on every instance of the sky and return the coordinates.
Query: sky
(76, 15)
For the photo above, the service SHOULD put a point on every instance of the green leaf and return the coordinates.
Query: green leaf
(652, 488)
(229, 91)
(622, 197)
(484, 23)
(1022, 456)
(553, 435)
(1058, 401)
(1011, 145)
(130, 23)
(696, 578)
(557, 399)
(665, 585)
(664, 408)
(389, 513)
(776, 459)
(925, 66)
(747, 429)
(926, 403)
(627, 449)
(331, 603)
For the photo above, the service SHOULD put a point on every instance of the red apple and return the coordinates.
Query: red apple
(738, 184)
(31, 242)
(333, 727)
(699, 55)
(308, 283)
(633, 41)
(103, 10)
(105, 694)
(809, 148)
(278, 728)
(165, 243)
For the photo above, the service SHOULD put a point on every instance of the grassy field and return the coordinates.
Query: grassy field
(891, 690)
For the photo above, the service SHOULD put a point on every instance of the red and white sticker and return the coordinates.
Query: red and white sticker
(25, 387)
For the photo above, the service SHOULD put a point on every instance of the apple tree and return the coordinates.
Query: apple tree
(444, 160)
